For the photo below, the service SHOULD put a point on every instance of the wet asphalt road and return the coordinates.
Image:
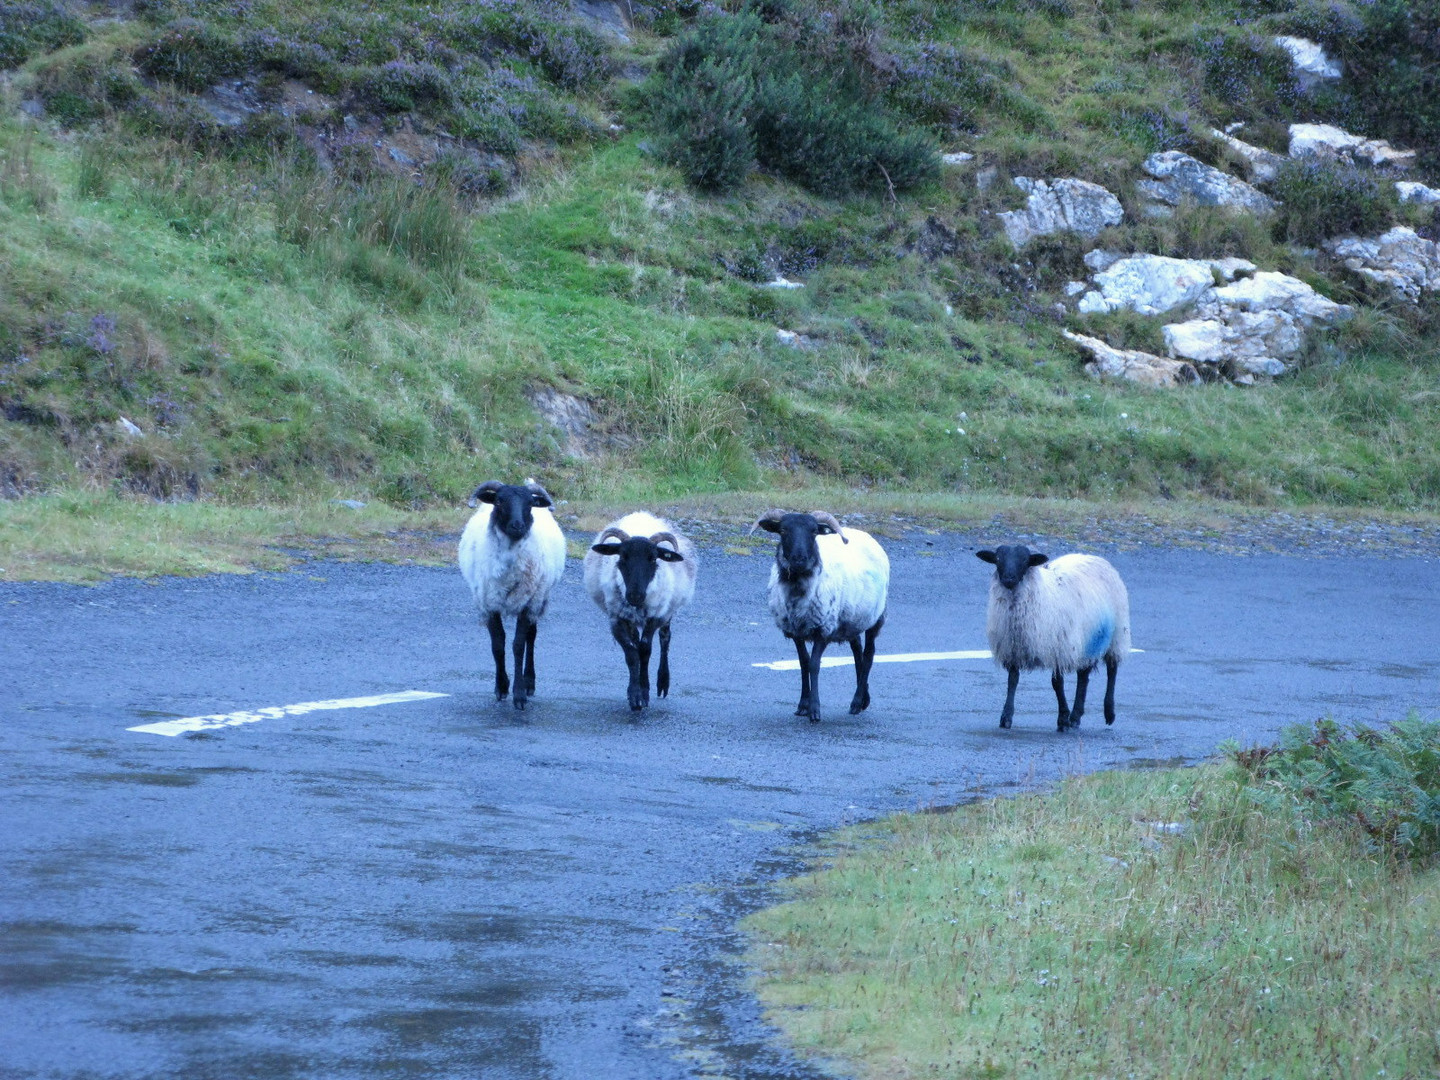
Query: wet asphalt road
(445, 888)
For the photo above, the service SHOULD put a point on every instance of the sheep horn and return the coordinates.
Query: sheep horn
(829, 519)
(661, 537)
(769, 515)
(611, 530)
(488, 486)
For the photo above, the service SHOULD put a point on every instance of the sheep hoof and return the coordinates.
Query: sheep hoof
(1004, 723)
(520, 704)
(803, 709)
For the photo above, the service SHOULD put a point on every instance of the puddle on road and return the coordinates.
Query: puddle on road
(744, 785)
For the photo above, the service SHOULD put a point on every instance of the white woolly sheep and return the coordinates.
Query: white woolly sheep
(512, 554)
(828, 584)
(1065, 615)
(641, 571)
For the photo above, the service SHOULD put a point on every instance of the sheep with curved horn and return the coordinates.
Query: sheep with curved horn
(829, 583)
(641, 571)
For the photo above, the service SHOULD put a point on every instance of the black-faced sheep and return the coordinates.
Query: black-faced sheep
(641, 571)
(512, 554)
(1065, 615)
(828, 584)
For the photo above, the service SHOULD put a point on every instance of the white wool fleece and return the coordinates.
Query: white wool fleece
(845, 597)
(1065, 615)
(672, 587)
(508, 578)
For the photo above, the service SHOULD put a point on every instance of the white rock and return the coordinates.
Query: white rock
(1066, 205)
(1263, 163)
(1399, 258)
(129, 428)
(1092, 303)
(1181, 178)
(788, 337)
(1075, 288)
(1312, 65)
(1102, 260)
(1410, 191)
(1152, 284)
(1132, 365)
(1261, 365)
(1327, 140)
(956, 159)
(1201, 340)
(1272, 290)
(781, 282)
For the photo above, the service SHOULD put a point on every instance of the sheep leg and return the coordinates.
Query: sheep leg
(1007, 714)
(530, 658)
(1057, 683)
(497, 649)
(864, 661)
(628, 640)
(642, 664)
(1111, 665)
(523, 626)
(803, 709)
(662, 674)
(1082, 683)
(817, 649)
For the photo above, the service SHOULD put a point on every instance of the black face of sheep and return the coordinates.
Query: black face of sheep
(638, 557)
(797, 555)
(1012, 562)
(512, 505)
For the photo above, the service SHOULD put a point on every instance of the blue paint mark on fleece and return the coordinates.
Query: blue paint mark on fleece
(1100, 638)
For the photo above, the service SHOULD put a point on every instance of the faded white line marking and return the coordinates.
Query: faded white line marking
(274, 712)
(887, 658)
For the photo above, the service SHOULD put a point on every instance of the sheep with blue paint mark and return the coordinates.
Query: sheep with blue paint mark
(1064, 615)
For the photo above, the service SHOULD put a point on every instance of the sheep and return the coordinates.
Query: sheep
(828, 584)
(1065, 615)
(512, 554)
(640, 585)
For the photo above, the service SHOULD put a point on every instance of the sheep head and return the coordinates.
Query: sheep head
(511, 506)
(1012, 562)
(798, 555)
(639, 556)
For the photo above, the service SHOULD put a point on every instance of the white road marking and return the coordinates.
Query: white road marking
(274, 712)
(886, 658)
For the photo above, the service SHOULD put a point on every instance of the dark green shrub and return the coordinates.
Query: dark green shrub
(1248, 76)
(740, 85)
(1392, 71)
(191, 55)
(400, 86)
(77, 90)
(1386, 782)
(705, 134)
(1324, 199)
(29, 29)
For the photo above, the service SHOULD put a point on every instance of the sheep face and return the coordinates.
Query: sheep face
(797, 555)
(512, 505)
(1012, 562)
(638, 558)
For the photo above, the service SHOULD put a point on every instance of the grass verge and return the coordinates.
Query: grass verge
(1064, 934)
(84, 536)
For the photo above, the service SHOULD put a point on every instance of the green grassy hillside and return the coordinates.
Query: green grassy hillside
(340, 248)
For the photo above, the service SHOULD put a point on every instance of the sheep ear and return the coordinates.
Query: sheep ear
(485, 493)
(1036, 559)
(668, 555)
(605, 549)
(769, 524)
(986, 556)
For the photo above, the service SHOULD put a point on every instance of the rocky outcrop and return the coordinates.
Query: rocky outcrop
(1327, 140)
(960, 157)
(1251, 326)
(1410, 191)
(572, 415)
(1400, 258)
(1263, 163)
(1239, 327)
(1067, 205)
(1179, 178)
(1153, 284)
(1312, 65)
(1133, 365)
